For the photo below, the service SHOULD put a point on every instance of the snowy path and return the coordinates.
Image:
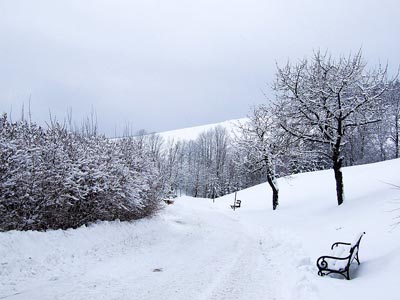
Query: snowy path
(186, 253)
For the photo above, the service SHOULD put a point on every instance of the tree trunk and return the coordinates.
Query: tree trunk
(275, 191)
(337, 160)
(337, 168)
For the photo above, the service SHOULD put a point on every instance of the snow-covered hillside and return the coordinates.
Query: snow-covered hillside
(197, 249)
(191, 133)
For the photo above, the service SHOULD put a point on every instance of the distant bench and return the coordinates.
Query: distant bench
(343, 254)
(168, 201)
(236, 204)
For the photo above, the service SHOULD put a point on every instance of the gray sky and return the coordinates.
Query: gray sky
(167, 64)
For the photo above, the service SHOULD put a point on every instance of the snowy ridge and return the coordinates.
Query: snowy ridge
(191, 133)
(197, 249)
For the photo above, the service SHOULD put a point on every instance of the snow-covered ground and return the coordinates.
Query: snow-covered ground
(196, 249)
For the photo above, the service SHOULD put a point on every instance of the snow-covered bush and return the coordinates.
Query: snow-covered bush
(52, 178)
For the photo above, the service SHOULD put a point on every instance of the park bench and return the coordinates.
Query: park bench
(343, 254)
(168, 201)
(236, 204)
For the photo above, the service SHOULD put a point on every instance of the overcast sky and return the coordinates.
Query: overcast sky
(167, 64)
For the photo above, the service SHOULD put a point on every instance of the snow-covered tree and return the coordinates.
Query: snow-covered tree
(323, 101)
(392, 100)
(261, 144)
(53, 178)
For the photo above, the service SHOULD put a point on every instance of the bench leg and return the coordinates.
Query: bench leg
(357, 259)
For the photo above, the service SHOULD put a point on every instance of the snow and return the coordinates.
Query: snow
(197, 249)
(191, 133)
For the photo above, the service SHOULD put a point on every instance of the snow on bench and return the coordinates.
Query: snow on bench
(340, 259)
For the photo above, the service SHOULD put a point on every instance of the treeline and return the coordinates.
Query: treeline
(54, 178)
(207, 167)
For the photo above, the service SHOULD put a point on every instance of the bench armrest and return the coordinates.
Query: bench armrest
(322, 262)
(339, 243)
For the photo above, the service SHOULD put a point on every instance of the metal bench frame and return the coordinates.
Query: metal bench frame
(323, 261)
(236, 205)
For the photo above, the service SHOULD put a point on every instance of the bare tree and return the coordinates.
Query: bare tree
(323, 100)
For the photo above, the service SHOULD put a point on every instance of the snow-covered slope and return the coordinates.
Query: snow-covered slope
(192, 133)
(197, 249)
(309, 220)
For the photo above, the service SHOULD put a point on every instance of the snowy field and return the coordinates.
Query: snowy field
(196, 249)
